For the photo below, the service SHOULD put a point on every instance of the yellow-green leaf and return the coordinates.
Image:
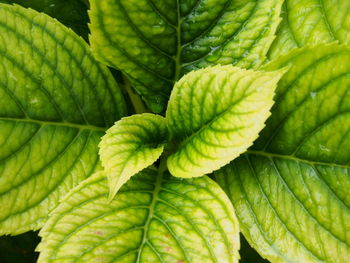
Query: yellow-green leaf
(215, 114)
(311, 22)
(291, 190)
(56, 101)
(131, 145)
(154, 218)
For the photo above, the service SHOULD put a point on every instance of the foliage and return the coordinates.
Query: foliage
(254, 94)
(71, 13)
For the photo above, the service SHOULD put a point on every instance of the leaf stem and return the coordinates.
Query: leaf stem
(163, 164)
(135, 99)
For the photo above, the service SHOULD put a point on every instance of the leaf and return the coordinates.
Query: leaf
(215, 114)
(156, 42)
(312, 22)
(291, 190)
(131, 145)
(154, 218)
(71, 13)
(56, 102)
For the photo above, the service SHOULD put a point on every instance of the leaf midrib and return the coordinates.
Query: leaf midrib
(277, 214)
(218, 116)
(56, 123)
(297, 159)
(156, 190)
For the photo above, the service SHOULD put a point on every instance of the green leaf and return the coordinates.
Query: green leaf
(291, 191)
(154, 218)
(215, 114)
(312, 22)
(131, 145)
(71, 13)
(56, 102)
(156, 42)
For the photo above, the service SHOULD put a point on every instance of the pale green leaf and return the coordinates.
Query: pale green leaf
(215, 114)
(291, 190)
(55, 103)
(154, 218)
(131, 145)
(312, 22)
(156, 42)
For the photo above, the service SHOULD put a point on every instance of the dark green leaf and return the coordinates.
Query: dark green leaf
(156, 42)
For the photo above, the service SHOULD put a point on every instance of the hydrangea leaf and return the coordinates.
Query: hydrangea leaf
(131, 145)
(215, 114)
(154, 218)
(156, 42)
(291, 190)
(56, 101)
(312, 22)
(71, 13)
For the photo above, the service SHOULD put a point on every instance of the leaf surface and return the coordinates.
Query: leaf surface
(215, 114)
(156, 42)
(311, 22)
(55, 103)
(291, 190)
(71, 13)
(154, 218)
(131, 145)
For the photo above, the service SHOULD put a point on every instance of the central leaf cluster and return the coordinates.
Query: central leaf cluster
(258, 102)
(214, 115)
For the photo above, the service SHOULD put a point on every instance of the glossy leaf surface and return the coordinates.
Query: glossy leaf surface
(156, 42)
(311, 22)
